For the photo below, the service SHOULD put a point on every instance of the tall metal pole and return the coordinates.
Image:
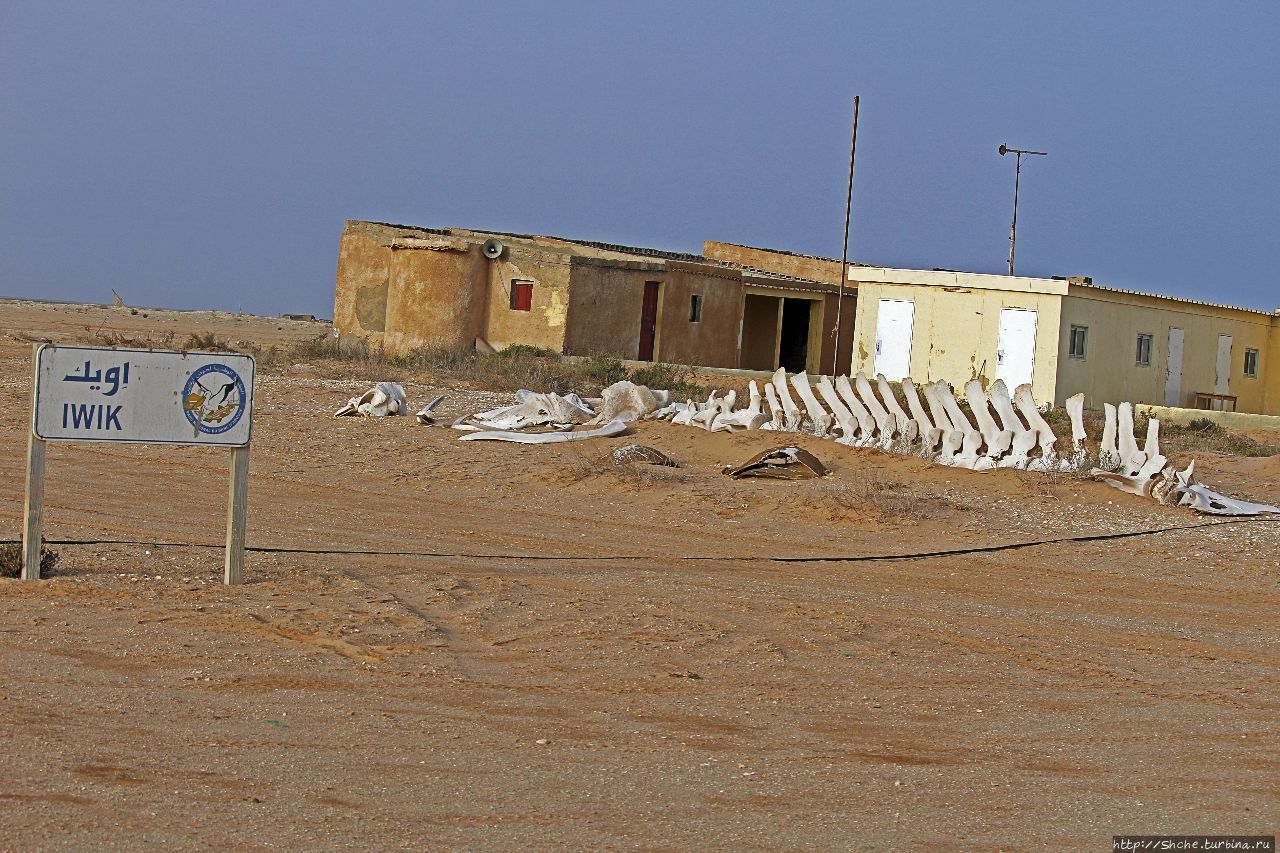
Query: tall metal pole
(844, 251)
(1013, 229)
(1017, 179)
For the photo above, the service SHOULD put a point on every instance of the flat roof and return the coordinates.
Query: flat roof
(790, 254)
(951, 278)
(622, 249)
(1182, 299)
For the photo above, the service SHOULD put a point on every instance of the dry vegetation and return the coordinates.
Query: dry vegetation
(11, 560)
(517, 366)
(1203, 434)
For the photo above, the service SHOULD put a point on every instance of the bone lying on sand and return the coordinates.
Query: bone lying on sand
(382, 400)
(425, 416)
(610, 429)
(780, 463)
(638, 453)
(531, 410)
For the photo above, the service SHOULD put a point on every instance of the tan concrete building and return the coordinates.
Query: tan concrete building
(401, 287)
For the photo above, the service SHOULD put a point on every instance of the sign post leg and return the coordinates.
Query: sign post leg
(236, 513)
(33, 509)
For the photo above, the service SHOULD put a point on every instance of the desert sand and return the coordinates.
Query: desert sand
(572, 654)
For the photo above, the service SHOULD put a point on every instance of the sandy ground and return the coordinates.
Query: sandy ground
(609, 658)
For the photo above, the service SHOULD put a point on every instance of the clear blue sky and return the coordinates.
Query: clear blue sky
(205, 155)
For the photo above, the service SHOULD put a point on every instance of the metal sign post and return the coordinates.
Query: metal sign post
(147, 397)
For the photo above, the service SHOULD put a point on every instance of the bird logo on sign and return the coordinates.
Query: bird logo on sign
(213, 399)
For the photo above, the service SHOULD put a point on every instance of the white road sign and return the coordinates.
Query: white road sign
(152, 396)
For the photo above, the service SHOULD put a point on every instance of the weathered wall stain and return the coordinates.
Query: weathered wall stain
(371, 308)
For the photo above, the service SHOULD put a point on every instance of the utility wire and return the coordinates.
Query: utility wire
(717, 558)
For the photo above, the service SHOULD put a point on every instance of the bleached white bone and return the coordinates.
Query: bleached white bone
(930, 436)
(1003, 404)
(382, 400)
(790, 411)
(1075, 411)
(998, 440)
(707, 411)
(625, 401)
(1142, 487)
(723, 412)
(1131, 458)
(752, 417)
(1153, 466)
(1173, 483)
(818, 416)
(1165, 489)
(424, 415)
(1152, 445)
(533, 409)
(777, 417)
(844, 417)
(886, 425)
(1108, 452)
(685, 418)
(971, 439)
(724, 406)
(1019, 452)
(1203, 499)
(935, 394)
(1027, 407)
(968, 456)
(908, 435)
(951, 443)
(900, 417)
(933, 397)
(611, 428)
(954, 413)
(666, 412)
(866, 423)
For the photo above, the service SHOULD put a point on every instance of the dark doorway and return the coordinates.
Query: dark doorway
(793, 352)
(648, 321)
(760, 332)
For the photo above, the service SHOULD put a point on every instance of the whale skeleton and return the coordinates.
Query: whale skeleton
(934, 426)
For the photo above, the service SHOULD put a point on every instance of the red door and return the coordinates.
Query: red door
(648, 320)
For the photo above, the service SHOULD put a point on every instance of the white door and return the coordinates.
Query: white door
(1016, 348)
(1222, 380)
(1173, 369)
(893, 338)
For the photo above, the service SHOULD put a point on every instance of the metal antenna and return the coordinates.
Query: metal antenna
(1017, 178)
(844, 252)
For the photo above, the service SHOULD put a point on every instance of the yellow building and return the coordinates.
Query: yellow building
(1065, 336)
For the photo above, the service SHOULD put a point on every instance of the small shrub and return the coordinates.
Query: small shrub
(604, 370)
(325, 346)
(1204, 425)
(526, 351)
(668, 377)
(116, 339)
(207, 342)
(1203, 434)
(11, 561)
(438, 358)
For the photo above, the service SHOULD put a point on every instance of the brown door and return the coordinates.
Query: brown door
(648, 321)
